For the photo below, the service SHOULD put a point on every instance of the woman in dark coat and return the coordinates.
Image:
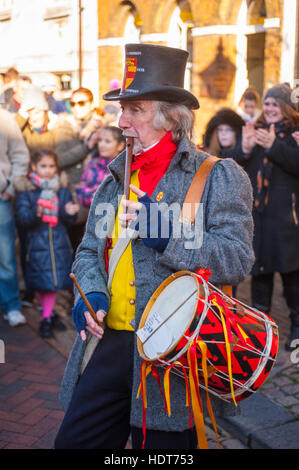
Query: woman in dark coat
(44, 209)
(270, 155)
(222, 137)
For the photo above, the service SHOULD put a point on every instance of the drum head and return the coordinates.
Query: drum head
(169, 317)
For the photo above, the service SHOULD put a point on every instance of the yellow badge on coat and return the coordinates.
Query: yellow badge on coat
(159, 196)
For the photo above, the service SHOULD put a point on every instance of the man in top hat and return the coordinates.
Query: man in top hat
(102, 378)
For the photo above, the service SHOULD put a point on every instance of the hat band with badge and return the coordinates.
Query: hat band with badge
(154, 73)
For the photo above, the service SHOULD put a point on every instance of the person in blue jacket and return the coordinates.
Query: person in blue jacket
(44, 208)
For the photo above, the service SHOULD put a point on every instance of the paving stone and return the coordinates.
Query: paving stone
(291, 389)
(233, 444)
(288, 400)
(282, 381)
(257, 413)
(278, 437)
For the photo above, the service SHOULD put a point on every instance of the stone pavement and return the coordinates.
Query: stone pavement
(30, 412)
(270, 418)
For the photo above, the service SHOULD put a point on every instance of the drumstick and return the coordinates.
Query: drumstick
(89, 307)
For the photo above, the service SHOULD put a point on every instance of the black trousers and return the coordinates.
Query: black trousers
(98, 416)
(262, 290)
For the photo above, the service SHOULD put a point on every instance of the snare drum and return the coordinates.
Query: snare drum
(241, 342)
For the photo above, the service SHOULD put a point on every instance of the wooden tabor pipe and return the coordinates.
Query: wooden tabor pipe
(129, 157)
(89, 307)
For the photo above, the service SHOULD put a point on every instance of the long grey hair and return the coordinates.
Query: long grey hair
(175, 117)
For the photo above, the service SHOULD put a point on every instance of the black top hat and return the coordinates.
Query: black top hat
(154, 73)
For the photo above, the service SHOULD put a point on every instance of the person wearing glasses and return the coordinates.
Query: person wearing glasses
(84, 120)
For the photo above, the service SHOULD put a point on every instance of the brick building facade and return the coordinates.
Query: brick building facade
(232, 44)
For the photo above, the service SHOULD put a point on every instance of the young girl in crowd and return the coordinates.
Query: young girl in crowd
(223, 133)
(44, 208)
(110, 143)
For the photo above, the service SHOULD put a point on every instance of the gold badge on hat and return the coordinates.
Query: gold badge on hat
(159, 196)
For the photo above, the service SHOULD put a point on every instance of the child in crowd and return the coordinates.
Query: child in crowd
(249, 105)
(110, 142)
(44, 208)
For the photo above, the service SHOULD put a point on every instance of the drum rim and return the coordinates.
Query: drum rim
(150, 304)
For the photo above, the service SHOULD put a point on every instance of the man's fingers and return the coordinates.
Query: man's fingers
(91, 323)
(137, 191)
(83, 335)
(131, 205)
(100, 315)
(92, 326)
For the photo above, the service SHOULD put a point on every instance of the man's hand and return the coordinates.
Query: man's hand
(83, 319)
(131, 207)
(265, 138)
(92, 326)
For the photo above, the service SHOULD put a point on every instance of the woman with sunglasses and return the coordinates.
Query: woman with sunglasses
(84, 120)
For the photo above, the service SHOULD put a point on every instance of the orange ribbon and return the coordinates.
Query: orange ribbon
(195, 395)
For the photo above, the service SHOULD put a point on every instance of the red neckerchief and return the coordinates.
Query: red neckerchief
(153, 163)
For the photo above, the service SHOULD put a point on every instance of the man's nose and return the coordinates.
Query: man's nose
(123, 121)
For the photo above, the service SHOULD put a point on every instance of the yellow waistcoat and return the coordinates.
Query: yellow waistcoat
(122, 302)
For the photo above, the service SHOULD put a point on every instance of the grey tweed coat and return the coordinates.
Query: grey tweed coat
(226, 250)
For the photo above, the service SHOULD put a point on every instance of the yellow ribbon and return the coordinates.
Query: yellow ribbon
(167, 386)
(144, 374)
(196, 402)
(228, 353)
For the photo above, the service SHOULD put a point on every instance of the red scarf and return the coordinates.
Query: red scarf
(153, 163)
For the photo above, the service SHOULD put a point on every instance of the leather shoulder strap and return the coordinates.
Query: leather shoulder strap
(195, 191)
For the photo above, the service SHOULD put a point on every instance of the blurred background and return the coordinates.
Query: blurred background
(233, 44)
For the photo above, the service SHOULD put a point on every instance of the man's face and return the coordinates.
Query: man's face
(136, 121)
(81, 105)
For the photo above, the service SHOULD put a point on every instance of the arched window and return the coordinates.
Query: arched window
(133, 24)
(180, 36)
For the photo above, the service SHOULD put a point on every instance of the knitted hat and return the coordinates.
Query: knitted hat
(34, 98)
(154, 73)
(280, 92)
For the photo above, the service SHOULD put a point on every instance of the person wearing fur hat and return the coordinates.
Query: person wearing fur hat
(223, 133)
(101, 382)
(44, 209)
(270, 155)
